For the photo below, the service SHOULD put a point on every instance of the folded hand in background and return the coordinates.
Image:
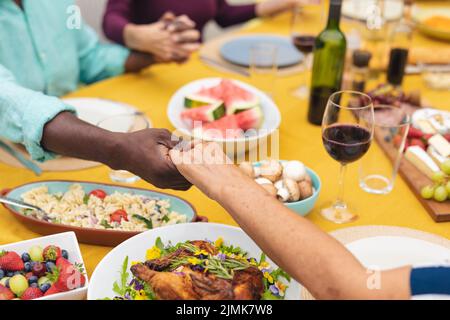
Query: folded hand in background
(172, 39)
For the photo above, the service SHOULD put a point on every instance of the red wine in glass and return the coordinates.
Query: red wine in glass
(304, 43)
(346, 143)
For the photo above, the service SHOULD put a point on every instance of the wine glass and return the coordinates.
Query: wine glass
(347, 132)
(307, 22)
(125, 123)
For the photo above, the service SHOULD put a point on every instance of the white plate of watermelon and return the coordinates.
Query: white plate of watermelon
(223, 110)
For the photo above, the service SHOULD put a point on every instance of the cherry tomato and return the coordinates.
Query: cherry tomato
(118, 215)
(98, 193)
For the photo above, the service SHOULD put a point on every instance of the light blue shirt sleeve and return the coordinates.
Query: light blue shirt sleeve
(98, 61)
(24, 113)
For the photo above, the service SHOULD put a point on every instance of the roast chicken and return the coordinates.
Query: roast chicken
(188, 284)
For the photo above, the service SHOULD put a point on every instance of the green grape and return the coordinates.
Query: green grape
(438, 177)
(440, 194)
(448, 187)
(3, 281)
(43, 280)
(36, 253)
(18, 284)
(427, 192)
(446, 167)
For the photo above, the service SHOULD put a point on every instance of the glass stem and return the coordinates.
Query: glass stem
(340, 197)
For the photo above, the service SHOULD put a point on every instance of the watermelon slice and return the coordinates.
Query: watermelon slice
(207, 113)
(227, 127)
(195, 101)
(236, 98)
(250, 119)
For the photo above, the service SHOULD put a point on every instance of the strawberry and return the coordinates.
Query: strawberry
(5, 293)
(31, 293)
(397, 141)
(10, 261)
(447, 136)
(63, 262)
(66, 276)
(51, 253)
(417, 142)
(415, 133)
(118, 215)
(51, 290)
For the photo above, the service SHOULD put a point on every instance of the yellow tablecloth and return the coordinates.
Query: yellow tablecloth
(151, 91)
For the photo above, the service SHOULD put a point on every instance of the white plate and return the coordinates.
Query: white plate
(362, 9)
(135, 248)
(272, 117)
(386, 252)
(94, 110)
(67, 241)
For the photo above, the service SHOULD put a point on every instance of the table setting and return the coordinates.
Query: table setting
(342, 117)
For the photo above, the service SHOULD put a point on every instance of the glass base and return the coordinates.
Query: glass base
(376, 184)
(301, 92)
(123, 176)
(338, 213)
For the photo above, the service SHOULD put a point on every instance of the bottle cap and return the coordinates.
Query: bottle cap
(361, 58)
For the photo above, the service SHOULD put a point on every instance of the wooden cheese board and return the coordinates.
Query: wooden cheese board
(439, 211)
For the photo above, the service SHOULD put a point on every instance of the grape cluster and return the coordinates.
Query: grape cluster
(440, 190)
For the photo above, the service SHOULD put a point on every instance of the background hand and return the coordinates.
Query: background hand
(272, 7)
(170, 39)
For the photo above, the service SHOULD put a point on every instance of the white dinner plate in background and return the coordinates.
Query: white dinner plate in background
(94, 110)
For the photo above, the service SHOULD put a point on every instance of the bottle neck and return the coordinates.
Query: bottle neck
(334, 16)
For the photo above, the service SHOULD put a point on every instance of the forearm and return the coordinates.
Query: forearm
(310, 255)
(137, 61)
(67, 135)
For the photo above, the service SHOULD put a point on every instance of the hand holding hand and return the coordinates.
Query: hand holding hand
(146, 154)
(208, 167)
(170, 39)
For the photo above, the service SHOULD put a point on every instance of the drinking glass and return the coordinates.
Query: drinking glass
(307, 22)
(264, 67)
(125, 123)
(377, 175)
(347, 131)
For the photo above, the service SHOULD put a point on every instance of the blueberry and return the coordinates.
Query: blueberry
(25, 257)
(17, 272)
(32, 279)
(50, 266)
(65, 254)
(2, 274)
(34, 285)
(44, 287)
(27, 266)
(9, 274)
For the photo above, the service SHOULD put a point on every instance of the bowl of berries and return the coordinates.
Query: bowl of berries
(46, 268)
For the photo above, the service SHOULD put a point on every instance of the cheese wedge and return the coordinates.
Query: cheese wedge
(436, 156)
(421, 160)
(426, 127)
(440, 144)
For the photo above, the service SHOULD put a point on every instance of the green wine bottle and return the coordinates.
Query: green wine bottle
(328, 65)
